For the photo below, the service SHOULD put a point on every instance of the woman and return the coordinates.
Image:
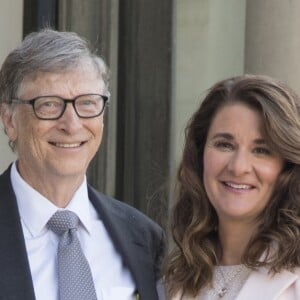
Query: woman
(236, 222)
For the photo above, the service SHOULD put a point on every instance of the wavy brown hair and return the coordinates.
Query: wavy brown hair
(189, 266)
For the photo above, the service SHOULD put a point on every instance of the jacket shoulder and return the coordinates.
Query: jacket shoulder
(122, 209)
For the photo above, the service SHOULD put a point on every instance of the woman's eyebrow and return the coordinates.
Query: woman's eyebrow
(229, 136)
(260, 141)
(224, 135)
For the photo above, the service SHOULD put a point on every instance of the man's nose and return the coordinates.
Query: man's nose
(70, 121)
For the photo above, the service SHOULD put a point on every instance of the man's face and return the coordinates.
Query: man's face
(55, 149)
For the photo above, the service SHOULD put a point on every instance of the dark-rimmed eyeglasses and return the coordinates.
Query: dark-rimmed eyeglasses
(53, 107)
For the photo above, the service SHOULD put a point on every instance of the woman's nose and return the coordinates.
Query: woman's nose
(239, 163)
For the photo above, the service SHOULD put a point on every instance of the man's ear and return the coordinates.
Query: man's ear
(7, 117)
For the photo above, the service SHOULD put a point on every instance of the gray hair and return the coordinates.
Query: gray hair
(46, 51)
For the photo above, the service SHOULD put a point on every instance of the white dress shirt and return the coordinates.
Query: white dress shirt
(112, 279)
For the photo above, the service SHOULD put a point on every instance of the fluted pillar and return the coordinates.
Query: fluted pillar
(273, 39)
(144, 105)
(97, 20)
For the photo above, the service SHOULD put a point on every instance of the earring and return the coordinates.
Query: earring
(12, 145)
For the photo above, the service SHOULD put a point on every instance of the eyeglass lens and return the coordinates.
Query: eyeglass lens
(53, 107)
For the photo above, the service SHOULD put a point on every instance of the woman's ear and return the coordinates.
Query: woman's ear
(7, 117)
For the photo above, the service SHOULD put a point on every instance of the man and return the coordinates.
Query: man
(53, 95)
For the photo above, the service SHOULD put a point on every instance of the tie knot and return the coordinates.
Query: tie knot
(62, 221)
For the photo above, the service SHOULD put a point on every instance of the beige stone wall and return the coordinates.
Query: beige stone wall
(273, 39)
(213, 39)
(11, 18)
(209, 38)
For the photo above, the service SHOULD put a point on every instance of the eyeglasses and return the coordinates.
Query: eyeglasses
(53, 107)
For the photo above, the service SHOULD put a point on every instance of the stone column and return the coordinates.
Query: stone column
(10, 36)
(97, 20)
(38, 14)
(273, 40)
(135, 37)
(144, 104)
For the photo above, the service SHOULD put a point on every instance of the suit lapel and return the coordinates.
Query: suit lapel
(15, 276)
(129, 241)
(260, 285)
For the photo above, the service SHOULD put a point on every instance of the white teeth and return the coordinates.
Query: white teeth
(67, 145)
(238, 186)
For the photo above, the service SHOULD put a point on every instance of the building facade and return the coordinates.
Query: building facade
(163, 56)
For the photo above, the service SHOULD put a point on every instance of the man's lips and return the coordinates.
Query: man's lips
(67, 145)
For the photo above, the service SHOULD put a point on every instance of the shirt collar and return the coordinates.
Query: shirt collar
(36, 210)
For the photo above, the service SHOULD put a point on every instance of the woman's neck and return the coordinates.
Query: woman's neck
(234, 238)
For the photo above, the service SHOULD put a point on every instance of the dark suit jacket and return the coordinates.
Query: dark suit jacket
(139, 241)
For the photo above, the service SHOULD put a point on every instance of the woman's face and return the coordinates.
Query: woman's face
(240, 168)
